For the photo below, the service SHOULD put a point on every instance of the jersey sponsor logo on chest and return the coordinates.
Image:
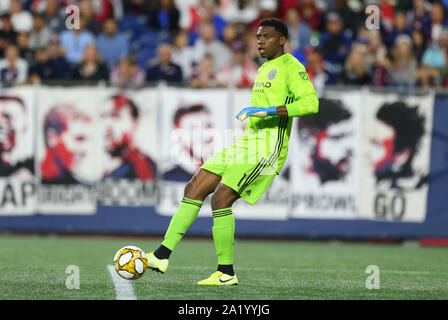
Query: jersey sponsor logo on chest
(263, 84)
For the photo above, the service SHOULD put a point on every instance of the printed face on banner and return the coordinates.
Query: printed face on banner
(120, 119)
(120, 124)
(193, 135)
(68, 146)
(393, 144)
(196, 122)
(13, 136)
(396, 158)
(328, 138)
(325, 162)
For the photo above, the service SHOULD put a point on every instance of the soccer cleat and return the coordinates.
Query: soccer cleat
(158, 265)
(219, 279)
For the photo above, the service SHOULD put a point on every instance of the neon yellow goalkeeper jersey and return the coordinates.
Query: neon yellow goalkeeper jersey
(281, 81)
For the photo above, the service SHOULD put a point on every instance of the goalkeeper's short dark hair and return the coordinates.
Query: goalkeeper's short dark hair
(278, 24)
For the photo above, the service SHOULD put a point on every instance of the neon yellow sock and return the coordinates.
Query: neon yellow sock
(181, 221)
(223, 234)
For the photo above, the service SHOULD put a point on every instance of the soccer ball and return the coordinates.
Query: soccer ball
(130, 262)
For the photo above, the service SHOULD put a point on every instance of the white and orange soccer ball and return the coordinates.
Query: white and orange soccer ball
(130, 262)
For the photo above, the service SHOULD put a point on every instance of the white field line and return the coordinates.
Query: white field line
(308, 270)
(123, 288)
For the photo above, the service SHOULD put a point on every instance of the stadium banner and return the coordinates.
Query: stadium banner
(68, 156)
(396, 157)
(192, 125)
(273, 205)
(17, 178)
(129, 143)
(324, 158)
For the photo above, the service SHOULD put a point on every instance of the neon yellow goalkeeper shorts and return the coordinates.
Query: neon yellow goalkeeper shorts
(243, 170)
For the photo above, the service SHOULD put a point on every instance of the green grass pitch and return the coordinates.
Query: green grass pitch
(34, 267)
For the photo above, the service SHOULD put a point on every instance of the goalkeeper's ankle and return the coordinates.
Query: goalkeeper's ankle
(162, 252)
(226, 268)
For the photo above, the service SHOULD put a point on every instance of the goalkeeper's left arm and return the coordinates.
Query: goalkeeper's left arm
(305, 100)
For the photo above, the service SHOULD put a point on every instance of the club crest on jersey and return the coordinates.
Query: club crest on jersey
(272, 74)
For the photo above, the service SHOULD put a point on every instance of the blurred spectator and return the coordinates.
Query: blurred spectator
(203, 74)
(13, 69)
(136, 7)
(91, 67)
(357, 68)
(164, 16)
(182, 54)
(299, 32)
(403, 5)
(7, 34)
(251, 45)
(188, 13)
(285, 5)
(400, 27)
(403, 65)
(112, 45)
(231, 37)
(75, 41)
(208, 44)
(419, 16)
(22, 21)
(240, 12)
(352, 19)
(40, 35)
(4, 6)
(207, 13)
(298, 53)
(45, 67)
(419, 44)
(386, 15)
(316, 70)
(127, 74)
(240, 72)
(266, 9)
(433, 64)
(23, 44)
(86, 10)
(335, 46)
(377, 51)
(438, 21)
(163, 69)
(363, 35)
(104, 9)
(310, 13)
(381, 72)
(54, 16)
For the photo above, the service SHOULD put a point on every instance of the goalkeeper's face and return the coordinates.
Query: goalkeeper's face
(270, 42)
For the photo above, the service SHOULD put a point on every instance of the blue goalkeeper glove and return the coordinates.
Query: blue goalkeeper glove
(255, 111)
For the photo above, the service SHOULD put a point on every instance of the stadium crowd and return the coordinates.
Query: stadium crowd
(212, 43)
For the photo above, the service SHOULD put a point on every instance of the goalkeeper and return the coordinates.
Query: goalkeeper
(281, 91)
